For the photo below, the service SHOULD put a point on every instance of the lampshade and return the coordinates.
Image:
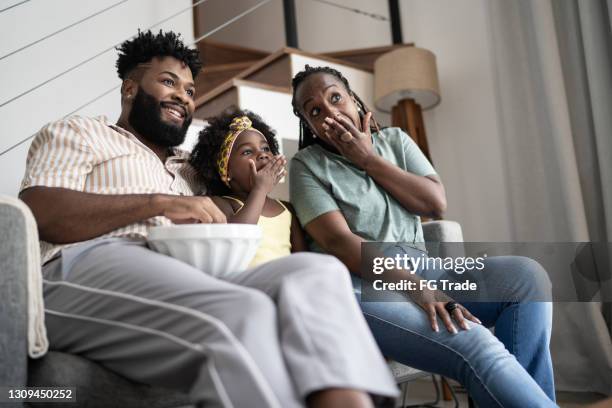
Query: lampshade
(408, 72)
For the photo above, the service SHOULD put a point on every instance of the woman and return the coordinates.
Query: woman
(349, 185)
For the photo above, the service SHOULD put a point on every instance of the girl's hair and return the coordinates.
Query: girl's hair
(206, 152)
(307, 138)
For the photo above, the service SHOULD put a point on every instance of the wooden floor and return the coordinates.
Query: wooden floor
(422, 391)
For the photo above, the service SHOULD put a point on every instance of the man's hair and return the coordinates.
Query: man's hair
(307, 138)
(147, 46)
(206, 152)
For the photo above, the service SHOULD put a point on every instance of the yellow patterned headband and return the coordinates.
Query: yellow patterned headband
(238, 125)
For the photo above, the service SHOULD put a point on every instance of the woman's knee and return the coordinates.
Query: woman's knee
(525, 274)
(533, 273)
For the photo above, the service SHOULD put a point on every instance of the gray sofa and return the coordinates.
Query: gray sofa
(95, 385)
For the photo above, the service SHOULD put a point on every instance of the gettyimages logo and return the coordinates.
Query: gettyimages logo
(488, 272)
(412, 264)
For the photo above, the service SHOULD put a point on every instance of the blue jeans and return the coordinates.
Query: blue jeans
(512, 368)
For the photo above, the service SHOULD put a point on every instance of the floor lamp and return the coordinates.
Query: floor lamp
(405, 83)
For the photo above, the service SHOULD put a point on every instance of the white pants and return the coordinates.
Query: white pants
(268, 338)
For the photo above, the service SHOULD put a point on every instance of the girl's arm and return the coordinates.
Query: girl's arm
(262, 182)
(251, 210)
(298, 241)
(248, 214)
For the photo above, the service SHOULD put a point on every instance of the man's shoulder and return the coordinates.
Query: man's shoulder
(74, 122)
(181, 154)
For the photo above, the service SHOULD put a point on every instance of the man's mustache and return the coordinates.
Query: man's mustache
(176, 106)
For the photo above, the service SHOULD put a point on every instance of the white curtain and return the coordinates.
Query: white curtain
(553, 72)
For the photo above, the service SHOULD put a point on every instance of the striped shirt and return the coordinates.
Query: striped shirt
(94, 156)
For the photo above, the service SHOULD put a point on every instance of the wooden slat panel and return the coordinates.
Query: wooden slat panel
(215, 75)
(259, 85)
(218, 104)
(214, 53)
(277, 73)
(364, 56)
(275, 70)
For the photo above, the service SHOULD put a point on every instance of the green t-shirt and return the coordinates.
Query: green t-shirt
(322, 181)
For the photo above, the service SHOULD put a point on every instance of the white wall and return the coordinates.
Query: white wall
(248, 31)
(320, 27)
(463, 130)
(273, 107)
(323, 28)
(41, 62)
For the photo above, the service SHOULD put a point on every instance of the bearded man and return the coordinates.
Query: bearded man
(284, 334)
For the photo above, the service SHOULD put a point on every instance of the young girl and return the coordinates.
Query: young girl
(237, 158)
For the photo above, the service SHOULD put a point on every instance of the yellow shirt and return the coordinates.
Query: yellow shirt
(276, 235)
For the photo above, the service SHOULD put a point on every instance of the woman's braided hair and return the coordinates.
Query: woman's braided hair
(307, 138)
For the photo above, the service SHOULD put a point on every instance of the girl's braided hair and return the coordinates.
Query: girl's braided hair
(307, 137)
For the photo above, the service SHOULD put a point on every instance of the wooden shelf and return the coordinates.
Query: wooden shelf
(216, 53)
(365, 56)
(273, 70)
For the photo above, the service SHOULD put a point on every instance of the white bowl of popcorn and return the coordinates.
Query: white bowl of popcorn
(220, 250)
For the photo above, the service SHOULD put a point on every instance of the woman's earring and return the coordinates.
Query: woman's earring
(312, 132)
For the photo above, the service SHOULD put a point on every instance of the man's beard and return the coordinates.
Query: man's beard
(145, 118)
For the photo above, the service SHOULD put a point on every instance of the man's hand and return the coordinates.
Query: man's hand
(64, 216)
(186, 209)
(269, 175)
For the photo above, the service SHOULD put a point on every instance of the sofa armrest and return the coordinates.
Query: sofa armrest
(442, 231)
(443, 238)
(13, 292)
